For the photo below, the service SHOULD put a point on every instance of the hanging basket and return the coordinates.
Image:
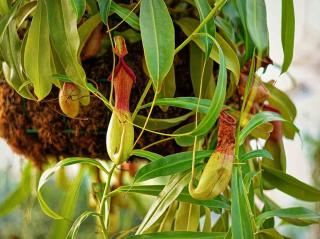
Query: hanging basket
(37, 130)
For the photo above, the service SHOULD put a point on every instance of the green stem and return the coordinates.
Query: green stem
(212, 13)
(147, 119)
(105, 199)
(143, 96)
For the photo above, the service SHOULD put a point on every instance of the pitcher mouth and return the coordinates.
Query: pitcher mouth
(226, 132)
(226, 118)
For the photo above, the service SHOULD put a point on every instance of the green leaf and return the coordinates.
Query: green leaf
(261, 153)
(86, 29)
(290, 185)
(168, 87)
(184, 196)
(127, 15)
(283, 103)
(218, 98)
(207, 220)
(157, 34)
(20, 194)
(170, 165)
(65, 39)
(8, 18)
(49, 172)
(166, 197)
(209, 28)
(24, 12)
(169, 217)
(104, 9)
(187, 217)
(287, 33)
(187, 140)
(242, 227)
(188, 25)
(196, 66)
(146, 154)
(160, 124)
(60, 228)
(241, 7)
(222, 224)
(37, 52)
(189, 103)
(257, 24)
(10, 48)
(73, 232)
(79, 7)
(259, 119)
(300, 213)
(181, 235)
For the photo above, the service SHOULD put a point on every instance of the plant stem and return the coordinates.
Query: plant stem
(143, 96)
(105, 199)
(211, 14)
(148, 117)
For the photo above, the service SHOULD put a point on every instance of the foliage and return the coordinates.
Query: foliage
(41, 46)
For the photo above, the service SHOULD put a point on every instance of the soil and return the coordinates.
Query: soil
(38, 129)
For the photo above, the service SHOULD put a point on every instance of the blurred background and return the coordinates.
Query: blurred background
(303, 154)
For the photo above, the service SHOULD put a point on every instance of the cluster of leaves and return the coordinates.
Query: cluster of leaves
(221, 35)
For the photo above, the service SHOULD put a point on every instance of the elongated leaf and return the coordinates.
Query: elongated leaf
(189, 103)
(283, 103)
(169, 218)
(168, 87)
(209, 28)
(24, 12)
(160, 124)
(255, 154)
(169, 193)
(49, 172)
(37, 52)
(300, 213)
(222, 223)
(188, 25)
(257, 24)
(60, 228)
(12, 66)
(187, 140)
(290, 185)
(65, 39)
(170, 164)
(7, 19)
(73, 232)
(196, 66)
(128, 16)
(79, 7)
(287, 33)
(187, 217)
(19, 195)
(184, 196)
(181, 235)
(260, 119)
(242, 227)
(157, 35)
(241, 7)
(218, 98)
(86, 29)
(104, 9)
(146, 154)
(207, 220)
